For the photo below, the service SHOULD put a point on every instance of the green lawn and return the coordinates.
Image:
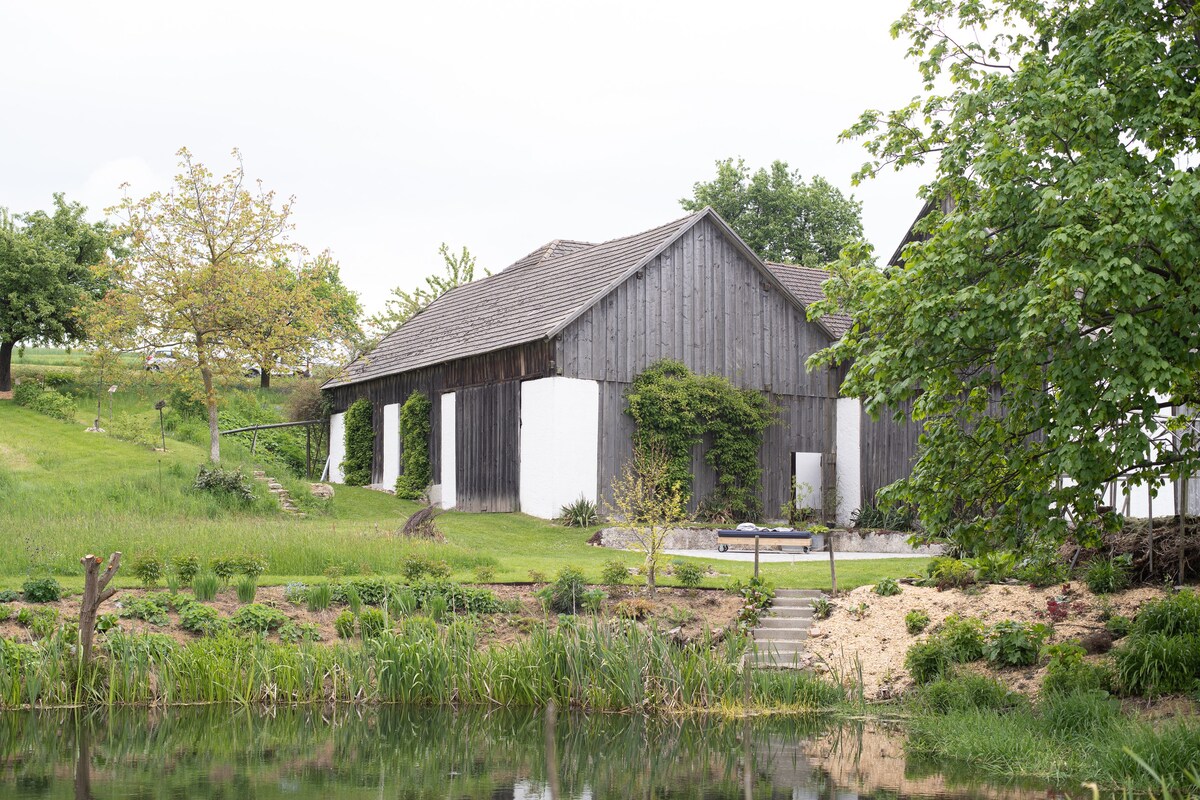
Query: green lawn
(66, 493)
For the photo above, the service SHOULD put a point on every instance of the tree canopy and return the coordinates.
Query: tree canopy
(1048, 316)
(50, 271)
(403, 304)
(779, 215)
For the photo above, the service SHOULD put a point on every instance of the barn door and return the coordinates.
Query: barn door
(488, 447)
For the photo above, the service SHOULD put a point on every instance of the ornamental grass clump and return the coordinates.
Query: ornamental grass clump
(205, 586)
(319, 596)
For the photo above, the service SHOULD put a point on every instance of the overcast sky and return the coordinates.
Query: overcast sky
(496, 125)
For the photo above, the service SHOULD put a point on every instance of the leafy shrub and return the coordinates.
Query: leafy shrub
(927, 661)
(415, 429)
(246, 589)
(223, 482)
(1042, 569)
(963, 637)
(360, 444)
(688, 573)
(148, 608)
(9, 595)
(186, 568)
(887, 587)
(1107, 575)
(26, 391)
(319, 597)
(967, 692)
(6, 612)
(294, 633)
(226, 568)
(1068, 672)
(567, 590)
(916, 621)
(344, 625)
(205, 586)
(1012, 644)
(1171, 616)
(614, 574)
(1081, 713)
(148, 568)
(537, 576)
(372, 623)
(414, 568)
(459, 599)
(995, 567)
(1118, 625)
(42, 590)
(371, 591)
(593, 600)
(635, 608)
(257, 618)
(579, 514)
(200, 619)
(485, 574)
(822, 608)
(52, 404)
(948, 573)
(876, 517)
(252, 565)
(1150, 664)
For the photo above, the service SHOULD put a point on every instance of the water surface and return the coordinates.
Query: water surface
(414, 754)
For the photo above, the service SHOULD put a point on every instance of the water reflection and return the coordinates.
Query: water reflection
(413, 754)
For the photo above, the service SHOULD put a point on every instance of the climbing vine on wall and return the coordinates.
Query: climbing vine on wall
(414, 431)
(360, 443)
(674, 409)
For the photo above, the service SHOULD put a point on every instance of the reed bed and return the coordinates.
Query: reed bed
(588, 665)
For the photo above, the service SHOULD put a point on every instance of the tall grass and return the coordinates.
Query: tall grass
(587, 666)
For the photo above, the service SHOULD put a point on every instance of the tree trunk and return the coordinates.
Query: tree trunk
(214, 430)
(95, 592)
(264, 379)
(6, 351)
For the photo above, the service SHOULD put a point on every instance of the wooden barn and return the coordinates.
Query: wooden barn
(527, 370)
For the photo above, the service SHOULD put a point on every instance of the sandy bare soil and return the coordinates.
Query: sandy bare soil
(878, 640)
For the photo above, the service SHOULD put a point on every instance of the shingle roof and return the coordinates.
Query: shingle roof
(805, 283)
(523, 303)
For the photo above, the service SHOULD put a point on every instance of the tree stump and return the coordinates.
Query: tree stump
(95, 592)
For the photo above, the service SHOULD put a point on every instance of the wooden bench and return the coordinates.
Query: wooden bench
(802, 539)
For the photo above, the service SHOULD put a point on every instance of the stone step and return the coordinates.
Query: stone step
(810, 594)
(780, 634)
(785, 622)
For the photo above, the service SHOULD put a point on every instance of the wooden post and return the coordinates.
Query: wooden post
(1150, 514)
(756, 555)
(253, 441)
(1183, 505)
(95, 592)
(832, 566)
(308, 452)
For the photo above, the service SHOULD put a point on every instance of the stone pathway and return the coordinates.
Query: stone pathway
(285, 499)
(779, 638)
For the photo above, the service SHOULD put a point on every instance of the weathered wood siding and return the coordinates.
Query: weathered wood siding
(889, 449)
(533, 360)
(487, 461)
(702, 302)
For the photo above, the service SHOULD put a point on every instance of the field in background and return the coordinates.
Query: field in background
(66, 493)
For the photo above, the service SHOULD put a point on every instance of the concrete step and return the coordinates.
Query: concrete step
(786, 622)
(791, 610)
(780, 635)
(810, 594)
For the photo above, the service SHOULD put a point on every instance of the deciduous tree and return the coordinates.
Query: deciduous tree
(403, 305)
(779, 215)
(1042, 325)
(649, 503)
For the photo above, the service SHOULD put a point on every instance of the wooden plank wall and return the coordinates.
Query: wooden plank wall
(533, 360)
(703, 303)
(888, 450)
(488, 458)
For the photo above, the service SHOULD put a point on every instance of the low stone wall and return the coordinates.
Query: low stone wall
(677, 538)
(880, 542)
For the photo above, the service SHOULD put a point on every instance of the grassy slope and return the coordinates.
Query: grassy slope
(67, 493)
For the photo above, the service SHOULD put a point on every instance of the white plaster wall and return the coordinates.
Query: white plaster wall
(560, 424)
(391, 445)
(337, 447)
(849, 457)
(808, 471)
(449, 491)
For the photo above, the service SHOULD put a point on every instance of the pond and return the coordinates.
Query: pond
(348, 753)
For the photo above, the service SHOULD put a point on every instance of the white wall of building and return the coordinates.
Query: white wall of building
(448, 490)
(849, 457)
(391, 445)
(337, 447)
(808, 480)
(560, 424)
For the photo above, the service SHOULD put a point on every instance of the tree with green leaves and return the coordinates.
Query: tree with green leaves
(779, 215)
(51, 270)
(1047, 317)
(403, 305)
